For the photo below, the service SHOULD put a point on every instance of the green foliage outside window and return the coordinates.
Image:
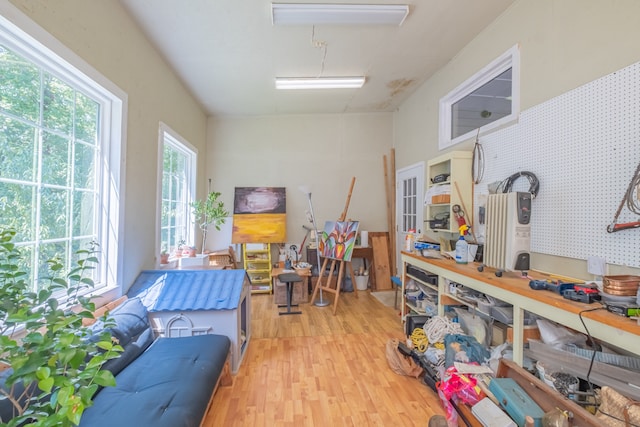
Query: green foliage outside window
(48, 162)
(174, 208)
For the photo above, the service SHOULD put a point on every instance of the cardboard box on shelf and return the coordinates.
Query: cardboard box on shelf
(529, 332)
(440, 198)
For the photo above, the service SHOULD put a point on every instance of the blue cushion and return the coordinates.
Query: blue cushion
(169, 385)
(130, 318)
(132, 330)
(130, 353)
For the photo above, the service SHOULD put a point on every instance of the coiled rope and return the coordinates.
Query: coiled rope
(419, 340)
(437, 327)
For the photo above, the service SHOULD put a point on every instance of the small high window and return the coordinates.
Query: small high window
(486, 101)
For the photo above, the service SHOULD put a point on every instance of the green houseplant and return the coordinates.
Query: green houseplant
(54, 368)
(207, 212)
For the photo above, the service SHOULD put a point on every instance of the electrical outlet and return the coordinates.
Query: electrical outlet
(596, 265)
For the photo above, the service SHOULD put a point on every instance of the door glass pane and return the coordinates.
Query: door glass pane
(409, 203)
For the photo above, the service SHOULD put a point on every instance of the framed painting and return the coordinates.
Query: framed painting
(259, 215)
(259, 200)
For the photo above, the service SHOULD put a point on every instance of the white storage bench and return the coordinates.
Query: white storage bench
(195, 302)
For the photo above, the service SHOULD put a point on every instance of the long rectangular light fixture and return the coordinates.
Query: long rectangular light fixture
(338, 14)
(319, 82)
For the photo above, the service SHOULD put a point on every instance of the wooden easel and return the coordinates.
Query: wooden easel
(329, 286)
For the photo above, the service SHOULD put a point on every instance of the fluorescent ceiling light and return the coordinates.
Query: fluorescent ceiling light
(319, 82)
(340, 14)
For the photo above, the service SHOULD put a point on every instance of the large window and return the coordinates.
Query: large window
(178, 186)
(486, 101)
(59, 140)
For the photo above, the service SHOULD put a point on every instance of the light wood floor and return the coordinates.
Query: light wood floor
(317, 369)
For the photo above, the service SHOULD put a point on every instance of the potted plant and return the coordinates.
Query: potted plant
(209, 211)
(54, 369)
(188, 251)
(164, 255)
(178, 252)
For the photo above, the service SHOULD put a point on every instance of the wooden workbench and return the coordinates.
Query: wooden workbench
(512, 288)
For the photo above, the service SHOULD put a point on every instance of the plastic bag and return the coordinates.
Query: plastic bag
(557, 335)
(399, 363)
(474, 325)
(459, 388)
(615, 407)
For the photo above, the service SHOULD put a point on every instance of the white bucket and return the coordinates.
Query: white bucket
(362, 282)
(364, 239)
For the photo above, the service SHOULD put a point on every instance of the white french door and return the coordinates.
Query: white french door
(409, 204)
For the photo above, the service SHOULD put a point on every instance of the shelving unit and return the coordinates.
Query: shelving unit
(425, 279)
(512, 289)
(257, 263)
(458, 165)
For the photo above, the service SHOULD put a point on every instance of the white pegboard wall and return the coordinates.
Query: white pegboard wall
(584, 147)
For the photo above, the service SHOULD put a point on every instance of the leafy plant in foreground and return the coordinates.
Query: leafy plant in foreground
(55, 362)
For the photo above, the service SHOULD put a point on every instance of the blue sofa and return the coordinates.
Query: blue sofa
(167, 382)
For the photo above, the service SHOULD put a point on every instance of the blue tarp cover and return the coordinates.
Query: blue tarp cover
(188, 290)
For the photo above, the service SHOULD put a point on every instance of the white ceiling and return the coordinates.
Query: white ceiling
(228, 53)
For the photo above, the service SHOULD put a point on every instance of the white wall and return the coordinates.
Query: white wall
(563, 44)
(103, 34)
(323, 152)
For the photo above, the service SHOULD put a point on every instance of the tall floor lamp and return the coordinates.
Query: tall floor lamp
(320, 302)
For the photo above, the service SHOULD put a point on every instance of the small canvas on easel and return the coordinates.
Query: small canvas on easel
(338, 239)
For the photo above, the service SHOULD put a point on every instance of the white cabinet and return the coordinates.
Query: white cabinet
(449, 186)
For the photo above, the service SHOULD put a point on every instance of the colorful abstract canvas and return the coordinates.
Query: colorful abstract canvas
(338, 239)
(259, 215)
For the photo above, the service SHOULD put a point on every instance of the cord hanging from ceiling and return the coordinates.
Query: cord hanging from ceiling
(319, 44)
(477, 165)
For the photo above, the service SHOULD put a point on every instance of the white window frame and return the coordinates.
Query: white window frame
(165, 133)
(509, 59)
(21, 34)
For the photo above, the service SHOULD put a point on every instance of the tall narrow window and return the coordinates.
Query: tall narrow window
(58, 142)
(178, 187)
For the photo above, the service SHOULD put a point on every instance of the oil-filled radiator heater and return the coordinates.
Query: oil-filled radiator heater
(508, 231)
